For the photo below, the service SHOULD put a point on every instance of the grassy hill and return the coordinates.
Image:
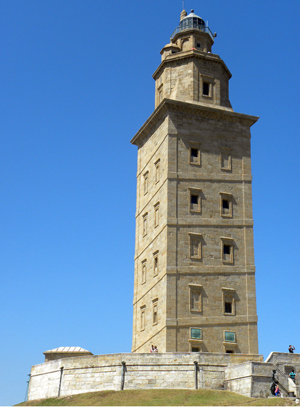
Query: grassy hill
(160, 398)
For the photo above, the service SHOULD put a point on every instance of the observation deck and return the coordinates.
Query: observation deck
(192, 21)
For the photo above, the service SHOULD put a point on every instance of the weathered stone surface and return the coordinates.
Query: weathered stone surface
(194, 247)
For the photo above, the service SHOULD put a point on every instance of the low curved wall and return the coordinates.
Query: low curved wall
(64, 377)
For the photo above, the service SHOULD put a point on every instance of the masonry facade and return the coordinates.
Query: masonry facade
(194, 284)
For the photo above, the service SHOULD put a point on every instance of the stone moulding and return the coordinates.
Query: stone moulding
(169, 105)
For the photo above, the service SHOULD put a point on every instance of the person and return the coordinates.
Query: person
(291, 349)
(152, 349)
(277, 391)
(293, 375)
(155, 349)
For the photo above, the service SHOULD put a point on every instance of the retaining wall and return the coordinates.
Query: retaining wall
(141, 371)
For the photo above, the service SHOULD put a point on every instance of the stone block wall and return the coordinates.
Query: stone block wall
(142, 371)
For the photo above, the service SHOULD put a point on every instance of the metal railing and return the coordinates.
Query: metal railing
(190, 26)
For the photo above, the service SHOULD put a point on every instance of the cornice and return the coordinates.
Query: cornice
(170, 105)
(192, 54)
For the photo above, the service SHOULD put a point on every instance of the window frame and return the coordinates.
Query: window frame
(155, 311)
(145, 224)
(192, 160)
(225, 196)
(144, 271)
(227, 152)
(196, 288)
(157, 171)
(198, 238)
(155, 258)
(227, 241)
(195, 192)
(146, 181)
(142, 317)
(231, 294)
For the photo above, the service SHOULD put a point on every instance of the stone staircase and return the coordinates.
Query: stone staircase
(286, 385)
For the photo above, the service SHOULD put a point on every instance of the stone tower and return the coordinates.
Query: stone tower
(194, 281)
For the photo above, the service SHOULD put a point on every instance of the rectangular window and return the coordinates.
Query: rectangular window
(228, 307)
(205, 89)
(160, 94)
(195, 200)
(226, 205)
(155, 263)
(146, 178)
(226, 161)
(195, 246)
(145, 224)
(144, 271)
(196, 333)
(195, 298)
(143, 310)
(229, 336)
(156, 214)
(227, 250)
(194, 156)
(229, 296)
(155, 312)
(157, 171)
(195, 349)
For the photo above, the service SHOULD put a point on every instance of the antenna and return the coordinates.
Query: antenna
(183, 5)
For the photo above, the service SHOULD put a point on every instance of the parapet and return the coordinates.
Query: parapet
(65, 352)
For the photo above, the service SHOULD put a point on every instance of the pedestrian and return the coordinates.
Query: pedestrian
(291, 349)
(293, 375)
(155, 349)
(277, 391)
(152, 349)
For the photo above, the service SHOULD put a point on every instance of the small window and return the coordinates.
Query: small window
(144, 271)
(194, 156)
(227, 250)
(143, 310)
(195, 246)
(198, 45)
(225, 204)
(229, 301)
(194, 152)
(228, 307)
(195, 298)
(155, 263)
(195, 333)
(205, 89)
(229, 336)
(145, 224)
(195, 350)
(155, 312)
(229, 351)
(225, 161)
(157, 171)
(156, 214)
(146, 177)
(195, 200)
(160, 93)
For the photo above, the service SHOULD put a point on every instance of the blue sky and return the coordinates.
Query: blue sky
(76, 85)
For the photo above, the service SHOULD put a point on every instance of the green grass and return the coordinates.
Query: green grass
(160, 398)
